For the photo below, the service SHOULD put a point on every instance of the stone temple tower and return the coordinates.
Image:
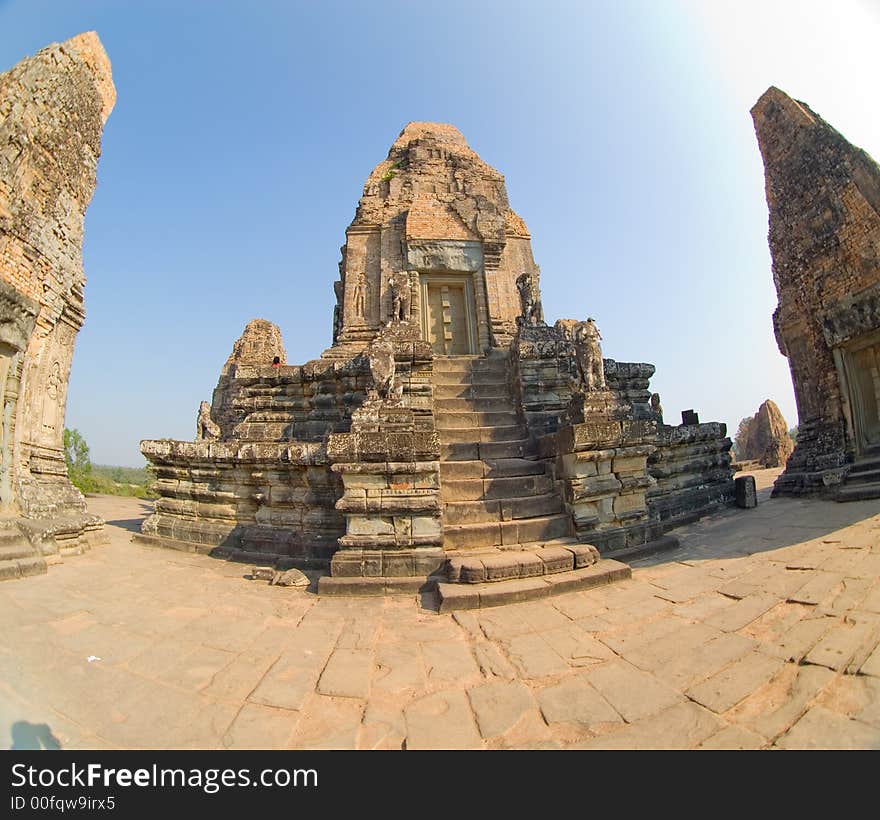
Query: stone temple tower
(449, 439)
(434, 219)
(823, 198)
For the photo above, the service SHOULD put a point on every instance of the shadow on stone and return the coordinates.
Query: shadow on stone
(33, 737)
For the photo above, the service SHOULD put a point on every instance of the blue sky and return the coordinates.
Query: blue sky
(243, 133)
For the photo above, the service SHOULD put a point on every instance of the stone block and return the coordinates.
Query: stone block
(745, 492)
(370, 525)
(530, 565)
(371, 562)
(584, 554)
(555, 559)
(626, 506)
(397, 565)
(629, 464)
(501, 567)
(513, 591)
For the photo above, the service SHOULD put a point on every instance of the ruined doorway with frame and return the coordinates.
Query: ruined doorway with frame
(448, 313)
(861, 359)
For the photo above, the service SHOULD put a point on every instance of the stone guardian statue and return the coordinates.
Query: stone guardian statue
(588, 355)
(398, 285)
(382, 367)
(206, 428)
(530, 299)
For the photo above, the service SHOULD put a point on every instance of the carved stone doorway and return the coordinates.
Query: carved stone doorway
(862, 367)
(448, 314)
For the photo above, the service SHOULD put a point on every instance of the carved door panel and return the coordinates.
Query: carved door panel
(448, 315)
(864, 377)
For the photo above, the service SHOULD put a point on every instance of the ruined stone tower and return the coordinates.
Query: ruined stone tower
(433, 218)
(450, 437)
(823, 195)
(53, 107)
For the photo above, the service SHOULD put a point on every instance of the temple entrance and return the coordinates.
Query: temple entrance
(862, 361)
(448, 314)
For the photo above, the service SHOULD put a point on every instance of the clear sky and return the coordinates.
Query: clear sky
(244, 131)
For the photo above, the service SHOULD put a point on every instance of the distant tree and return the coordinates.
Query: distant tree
(76, 456)
(76, 451)
(793, 433)
(740, 441)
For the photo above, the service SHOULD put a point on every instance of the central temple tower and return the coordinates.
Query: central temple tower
(435, 234)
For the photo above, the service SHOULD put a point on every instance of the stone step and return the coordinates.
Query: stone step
(477, 378)
(494, 468)
(22, 567)
(20, 548)
(453, 596)
(863, 475)
(506, 533)
(486, 451)
(10, 533)
(491, 405)
(477, 512)
(463, 435)
(858, 492)
(520, 561)
(869, 465)
(472, 393)
(469, 364)
(483, 489)
(450, 420)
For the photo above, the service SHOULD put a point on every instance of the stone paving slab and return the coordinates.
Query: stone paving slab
(760, 631)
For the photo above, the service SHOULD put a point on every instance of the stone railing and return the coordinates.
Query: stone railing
(692, 468)
(273, 498)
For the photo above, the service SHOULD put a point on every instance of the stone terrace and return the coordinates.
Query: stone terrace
(761, 631)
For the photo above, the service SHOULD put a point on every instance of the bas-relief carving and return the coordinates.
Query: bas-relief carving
(445, 255)
(359, 296)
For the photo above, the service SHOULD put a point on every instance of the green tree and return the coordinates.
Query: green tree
(76, 455)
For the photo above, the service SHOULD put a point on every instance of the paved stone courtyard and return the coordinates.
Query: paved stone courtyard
(761, 631)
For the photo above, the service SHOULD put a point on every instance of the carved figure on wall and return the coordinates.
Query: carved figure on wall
(399, 287)
(337, 323)
(656, 407)
(588, 355)
(51, 400)
(360, 296)
(530, 300)
(382, 367)
(206, 428)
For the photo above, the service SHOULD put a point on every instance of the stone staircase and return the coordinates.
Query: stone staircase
(18, 557)
(505, 527)
(494, 491)
(862, 481)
